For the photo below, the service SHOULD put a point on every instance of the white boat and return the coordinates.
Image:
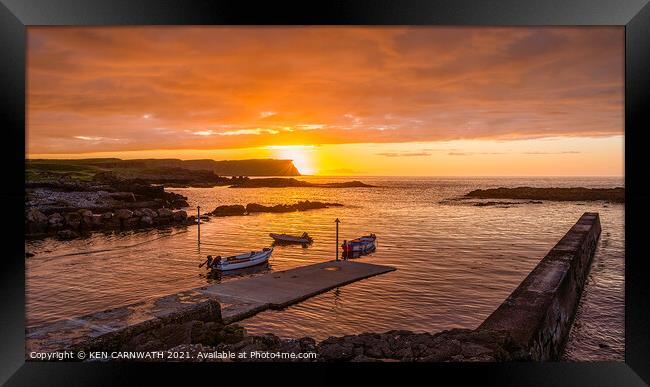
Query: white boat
(285, 238)
(239, 261)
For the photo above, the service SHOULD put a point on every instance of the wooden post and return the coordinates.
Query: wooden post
(198, 220)
(337, 221)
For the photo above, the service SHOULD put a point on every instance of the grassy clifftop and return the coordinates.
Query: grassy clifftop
(85, 169)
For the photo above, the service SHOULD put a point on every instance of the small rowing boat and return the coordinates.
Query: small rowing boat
(361, 245)
(285, 238)
(238, 261)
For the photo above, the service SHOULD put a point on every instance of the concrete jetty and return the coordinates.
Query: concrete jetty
(173, 318)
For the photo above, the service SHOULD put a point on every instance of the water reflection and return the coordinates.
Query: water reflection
(455, 263)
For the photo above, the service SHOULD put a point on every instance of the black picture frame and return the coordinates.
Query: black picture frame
(16, 15)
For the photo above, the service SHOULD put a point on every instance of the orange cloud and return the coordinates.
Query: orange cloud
(93, 89)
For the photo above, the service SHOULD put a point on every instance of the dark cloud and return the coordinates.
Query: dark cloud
(156, 87)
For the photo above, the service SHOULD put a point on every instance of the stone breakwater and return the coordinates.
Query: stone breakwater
(540, 312)
(532, 324)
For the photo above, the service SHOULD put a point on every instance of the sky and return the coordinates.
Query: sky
(337, 100)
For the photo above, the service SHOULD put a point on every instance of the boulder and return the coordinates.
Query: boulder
(149, 212)
(180, 216)
(86, 218)
(123, 213)
(146, 220)
(231, 334)
(85, 213)
(97, 220)
(36, 221)
(73, 219)
(179, 203)
(36, 216)
(107, 216)
(165, 212)
(55, 220)
(137, 213)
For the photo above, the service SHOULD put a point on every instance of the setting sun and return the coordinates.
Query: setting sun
(301, 155)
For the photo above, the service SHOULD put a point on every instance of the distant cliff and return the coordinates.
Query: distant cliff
(253, 167)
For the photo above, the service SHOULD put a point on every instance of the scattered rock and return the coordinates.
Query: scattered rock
(229, 210)
(232, 334)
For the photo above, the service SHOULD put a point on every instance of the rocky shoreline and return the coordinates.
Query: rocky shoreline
(397, 345)
(73, 224)
(69, 209)
(197, 340)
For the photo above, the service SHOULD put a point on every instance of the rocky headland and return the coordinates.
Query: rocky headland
(277, 182)
(614, 195)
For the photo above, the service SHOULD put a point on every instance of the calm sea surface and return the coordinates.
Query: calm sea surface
(455, 262)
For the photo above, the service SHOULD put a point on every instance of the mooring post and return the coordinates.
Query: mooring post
(198, 222)
(337, 221)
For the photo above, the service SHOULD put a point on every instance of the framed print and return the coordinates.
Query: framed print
(221, 187)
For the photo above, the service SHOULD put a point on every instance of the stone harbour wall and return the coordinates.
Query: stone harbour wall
(540, 312)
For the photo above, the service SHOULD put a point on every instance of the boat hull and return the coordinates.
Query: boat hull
(282, 238)
(362, 245)
(243, 261)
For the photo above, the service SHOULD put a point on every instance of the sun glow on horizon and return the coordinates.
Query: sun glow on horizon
(301, 155)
